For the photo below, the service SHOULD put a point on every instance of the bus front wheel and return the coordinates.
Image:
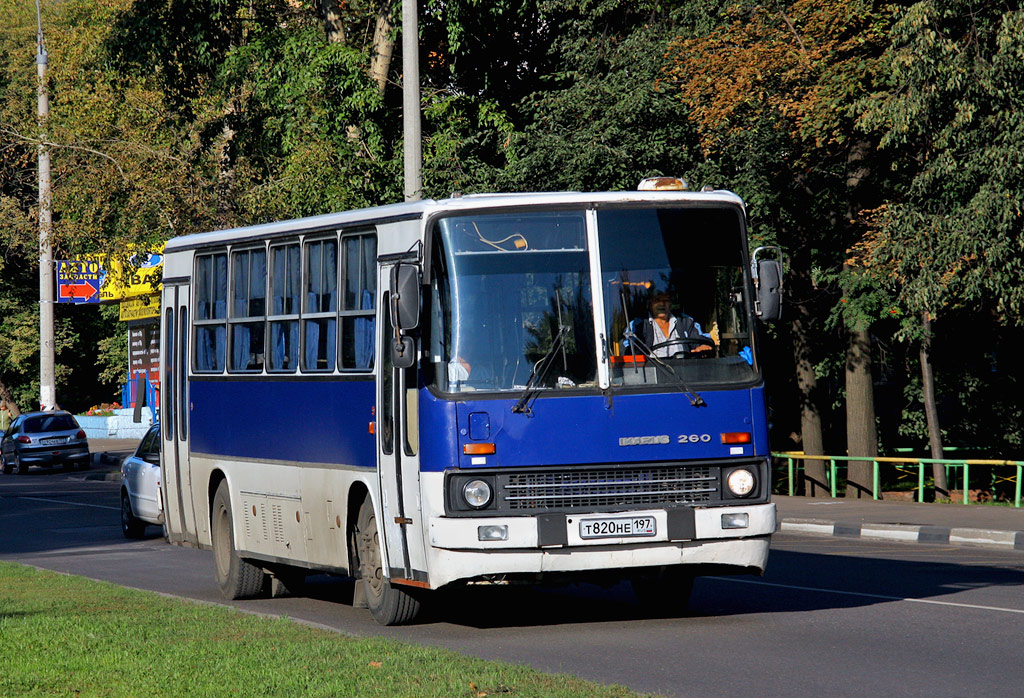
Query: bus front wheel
(388, 605)
(237, 578)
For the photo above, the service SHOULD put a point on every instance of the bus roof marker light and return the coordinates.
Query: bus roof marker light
(736, 437)
(662, 184)
(478, 449)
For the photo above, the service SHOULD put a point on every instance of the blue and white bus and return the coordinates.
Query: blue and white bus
(467, 390)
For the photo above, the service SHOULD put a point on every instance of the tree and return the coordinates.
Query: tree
(777, 87)
(953, 98)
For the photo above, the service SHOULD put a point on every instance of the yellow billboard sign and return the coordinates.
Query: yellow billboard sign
(140, 277)
(140, 308)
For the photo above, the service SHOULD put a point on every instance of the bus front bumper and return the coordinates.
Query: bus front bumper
(720, 536)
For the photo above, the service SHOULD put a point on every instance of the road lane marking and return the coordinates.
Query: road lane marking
(74, 504)
(866, 595)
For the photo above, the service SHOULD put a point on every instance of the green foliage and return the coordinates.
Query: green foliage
(601, 120)
(954, 237)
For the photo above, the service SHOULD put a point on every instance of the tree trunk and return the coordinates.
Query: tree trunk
(7, 402)
(383, 46)
(334, 28)
(814, 482)
(861, 435)
(931, 411)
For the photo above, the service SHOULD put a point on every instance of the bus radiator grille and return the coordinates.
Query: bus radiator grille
(579, 489)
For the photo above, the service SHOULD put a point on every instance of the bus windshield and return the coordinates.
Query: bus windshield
(509, 292)
(512, 304)
(675, 297)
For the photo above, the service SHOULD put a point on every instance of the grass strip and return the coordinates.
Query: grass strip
(62, 635)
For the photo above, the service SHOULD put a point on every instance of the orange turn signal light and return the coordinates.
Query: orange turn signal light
(478, 449)
(736, 437)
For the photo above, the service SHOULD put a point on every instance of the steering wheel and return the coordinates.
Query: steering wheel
(688, 343)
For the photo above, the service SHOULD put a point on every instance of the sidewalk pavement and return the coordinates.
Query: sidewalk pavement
(948, 524)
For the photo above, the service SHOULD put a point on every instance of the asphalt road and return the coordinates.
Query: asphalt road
(831, 616)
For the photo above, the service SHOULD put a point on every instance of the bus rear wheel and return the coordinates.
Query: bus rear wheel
(237, 578)
(388, 605)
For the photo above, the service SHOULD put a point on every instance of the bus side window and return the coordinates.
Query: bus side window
(211, 306)
(319, 317)
(358, 312)
(286, 292)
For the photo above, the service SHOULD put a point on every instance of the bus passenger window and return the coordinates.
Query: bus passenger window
(211, 291)
(248, 304)
(285, 294)
(320, 321)
(358, 301)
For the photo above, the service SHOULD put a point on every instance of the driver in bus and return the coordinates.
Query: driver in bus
(664, 333)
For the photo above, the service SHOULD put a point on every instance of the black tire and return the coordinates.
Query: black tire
(237, 578)
(20, 464)
(7, 467)
(131, 527)
(664, 592)
(388, 605)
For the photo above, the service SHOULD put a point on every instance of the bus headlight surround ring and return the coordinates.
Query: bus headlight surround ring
(477, 493)
(741, 482)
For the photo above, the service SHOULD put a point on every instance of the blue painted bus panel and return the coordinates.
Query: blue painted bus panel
(285, 420)
(589, 429)
(439, 437)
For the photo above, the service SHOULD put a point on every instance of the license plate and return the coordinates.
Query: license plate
(618, 527)
(51, 442)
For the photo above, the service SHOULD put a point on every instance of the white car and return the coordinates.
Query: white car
(141, 499)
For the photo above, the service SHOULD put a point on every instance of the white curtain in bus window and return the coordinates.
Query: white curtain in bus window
(286, 279)
(248, 307)
(358, 301)
(320, 321)
(211, 291)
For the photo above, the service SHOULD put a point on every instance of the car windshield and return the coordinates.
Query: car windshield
(510, 293)
(675, 296)
(50, 422)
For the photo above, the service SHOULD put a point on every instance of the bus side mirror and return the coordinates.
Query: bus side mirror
(405, 312)
(767, 283)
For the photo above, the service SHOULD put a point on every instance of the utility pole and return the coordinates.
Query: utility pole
(413, 152)
(47, 375)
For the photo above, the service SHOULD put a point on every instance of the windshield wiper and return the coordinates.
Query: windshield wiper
(695, 399)
(539, 371)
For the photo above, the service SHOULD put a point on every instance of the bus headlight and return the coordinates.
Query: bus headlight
(740, 482)
(477, 493)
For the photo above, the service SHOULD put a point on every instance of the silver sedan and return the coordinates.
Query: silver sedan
(141, 498)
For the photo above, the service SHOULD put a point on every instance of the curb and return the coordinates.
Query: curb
(1006, 540)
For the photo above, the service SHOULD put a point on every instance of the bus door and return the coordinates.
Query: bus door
(179, 512)
(398, 454)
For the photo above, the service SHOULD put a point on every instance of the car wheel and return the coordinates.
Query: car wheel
(20, 464)
(130, 526)
(237, 578)
(388, 605)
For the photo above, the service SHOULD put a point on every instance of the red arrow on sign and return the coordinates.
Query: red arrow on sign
(78, 291)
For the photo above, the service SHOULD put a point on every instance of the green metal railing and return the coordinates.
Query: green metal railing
(921, 463)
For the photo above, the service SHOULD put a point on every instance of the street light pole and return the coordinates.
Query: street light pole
(47, 375)
(413, 152)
